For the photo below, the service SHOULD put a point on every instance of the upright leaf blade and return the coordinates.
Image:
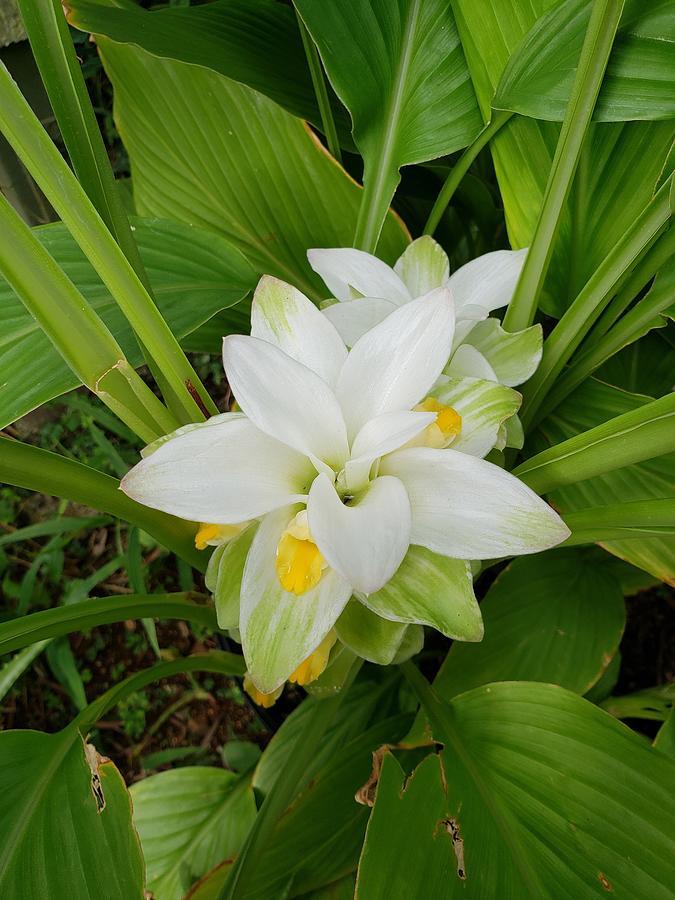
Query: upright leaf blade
(399, 68)
(262, 180)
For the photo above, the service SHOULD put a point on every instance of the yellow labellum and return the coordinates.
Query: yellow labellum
(260, 699)
(448, 423)
(316, 662)
(299, 561)
(216, 534)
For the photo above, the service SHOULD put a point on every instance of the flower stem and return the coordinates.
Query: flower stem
(320, 90)
(461, 167)
(595, 52)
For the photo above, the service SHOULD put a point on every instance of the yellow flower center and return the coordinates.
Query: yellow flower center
(448, 423)
(216, 534)
(316, 662)
(299, 562)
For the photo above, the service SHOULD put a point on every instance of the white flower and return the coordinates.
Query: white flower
(315, 457)
(368, 290)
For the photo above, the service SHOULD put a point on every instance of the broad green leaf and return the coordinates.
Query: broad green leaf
(189, 820)
(645, 367)
(433, 590)
(638, 83)
(240, 39)
(65, 821)
(537, 794)
(194, 274)
(620, 167)
(588, 406)
(318, 839)
(556, 617)
(665, 739)
(368, 635)
(398, 67)
(364, 704)
(213, 153)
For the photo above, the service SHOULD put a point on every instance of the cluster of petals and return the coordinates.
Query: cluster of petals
(327, 460)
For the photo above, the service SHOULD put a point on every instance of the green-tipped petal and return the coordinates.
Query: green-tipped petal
(514, 357)
(224, 574)
(368, 635)
(279, 630)
(431, 589)
(423, 266)
(483, 406)
(283, 316)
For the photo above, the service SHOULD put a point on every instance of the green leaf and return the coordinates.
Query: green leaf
(399, 68)
(14, 668)
(665, 739)
(368, 635)
(556, 617)
(41, 470)
(591, 404)
(61, 620)
(188, 820)
(263, 181)
(432, 590)
(319, 836)
(65, 821)
(621, 163)
(537, 793)
(194, 274)
(654, 704)
(638, 83)
(239, 39)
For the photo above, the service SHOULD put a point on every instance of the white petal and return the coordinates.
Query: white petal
(225, 472)
(470, 509)
(423, 266)
(352, 273)
(381, 435)
(353, 318)
(513, 356)
(283, 316)
(285, 399)
(366, 540)
(278, 629)
(470, 363)
(488, 281)
(394, 365)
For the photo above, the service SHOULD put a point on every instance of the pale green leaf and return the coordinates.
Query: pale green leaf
(368, 635)
(216, 154)
(193, 273)
(65, 821)
(189, 820)
(556, 617)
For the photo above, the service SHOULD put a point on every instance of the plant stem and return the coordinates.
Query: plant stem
(283, 789)
(637, 435)
(461, 167)
(642, 317)
(608, 278)
(41, 470)
(76, 331)
(320, 90)
(43, 160)
(602, 26)
(621, 521)
(62, 77)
